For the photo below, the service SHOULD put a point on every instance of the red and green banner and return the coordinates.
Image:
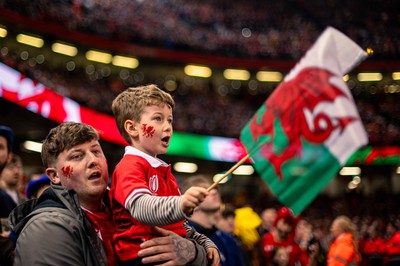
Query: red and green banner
(309, 126)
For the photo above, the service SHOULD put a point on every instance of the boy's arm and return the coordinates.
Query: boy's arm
(155, 210)
(199, 238)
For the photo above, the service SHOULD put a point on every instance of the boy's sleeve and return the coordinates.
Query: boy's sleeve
(199, 238)
(164, 210)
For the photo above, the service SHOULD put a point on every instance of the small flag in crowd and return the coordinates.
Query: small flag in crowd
(309, 126)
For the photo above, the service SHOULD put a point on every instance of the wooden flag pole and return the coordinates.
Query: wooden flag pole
(233, 168)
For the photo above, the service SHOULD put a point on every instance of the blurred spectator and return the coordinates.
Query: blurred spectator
(283, 235)
(344, 248)
(10, 196)
(372, 247)
(247, 221)
(6, 246)
(280, 256)
(226, 223)
(204, 220)
(267, 221)
(37, 186)
(392, 243)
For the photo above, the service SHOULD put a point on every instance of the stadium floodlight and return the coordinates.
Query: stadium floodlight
(269, 76)
(350, 171)
(198, 71)
(369, 76)
(185, 167)
(30, 40)
(396, 75)
(125, 61)
(98, 56)
(236, 74)
(244, 170)
(65, 49)
(32, 146)
(3, 32)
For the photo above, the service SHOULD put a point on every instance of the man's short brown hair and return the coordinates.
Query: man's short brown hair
(64, 137)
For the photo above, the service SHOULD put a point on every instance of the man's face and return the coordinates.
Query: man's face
(12, 173)
(84, 169)
(335, 229)
(226, 224)
(212, 203)
(283, 229)
(4, 153)
(268, 218)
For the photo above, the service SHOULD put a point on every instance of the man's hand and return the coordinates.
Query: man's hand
(167, 250)
(192, 198)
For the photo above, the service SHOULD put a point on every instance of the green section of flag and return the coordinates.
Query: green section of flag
(303, 176)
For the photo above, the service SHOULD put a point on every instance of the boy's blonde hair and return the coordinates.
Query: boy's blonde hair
(130, 104)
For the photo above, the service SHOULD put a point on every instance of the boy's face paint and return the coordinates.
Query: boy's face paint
(148, 131)
(155, 130)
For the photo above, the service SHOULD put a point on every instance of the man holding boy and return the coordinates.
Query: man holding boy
(70, 223)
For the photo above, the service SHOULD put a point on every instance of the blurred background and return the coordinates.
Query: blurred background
(220, 60)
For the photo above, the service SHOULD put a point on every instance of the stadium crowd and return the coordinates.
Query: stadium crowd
(251, 29)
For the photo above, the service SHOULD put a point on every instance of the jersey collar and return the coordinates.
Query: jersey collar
(154, 162)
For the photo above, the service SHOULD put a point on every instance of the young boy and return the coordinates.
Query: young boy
(143, 190)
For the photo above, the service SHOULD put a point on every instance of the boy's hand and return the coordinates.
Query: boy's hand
(213, 256)
(192, 198)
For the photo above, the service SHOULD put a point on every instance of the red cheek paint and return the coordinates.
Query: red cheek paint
(148, 131)
(67, 171)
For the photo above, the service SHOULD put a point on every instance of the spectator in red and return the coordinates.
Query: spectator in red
(392, 244)
(372, 247)
(282, 235)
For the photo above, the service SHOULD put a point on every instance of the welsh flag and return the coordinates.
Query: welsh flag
(309, 126)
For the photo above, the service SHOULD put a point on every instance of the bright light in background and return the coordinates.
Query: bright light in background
(353, 184)
(184, 167)
(64, 49)
(33, 146)
(97, 56)
(30, 40)
(269, 76)
(198, 71)
(236, 74)
(125, 61)
(398, 170)
(356, 180)
(218, 176)
(396, 75)
(244, 170)
(362, 77)
(346, 78)
(350, 171)
(3, 32)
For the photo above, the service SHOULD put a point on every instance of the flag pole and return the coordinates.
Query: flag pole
(233, 168)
